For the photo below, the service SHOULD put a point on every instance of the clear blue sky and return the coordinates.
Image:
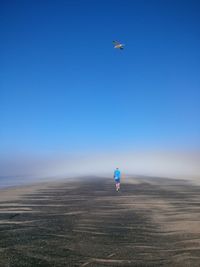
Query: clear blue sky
(64, 87)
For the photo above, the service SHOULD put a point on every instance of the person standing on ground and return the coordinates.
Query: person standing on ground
(117, 176)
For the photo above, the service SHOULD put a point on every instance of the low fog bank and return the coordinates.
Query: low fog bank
(184, 165)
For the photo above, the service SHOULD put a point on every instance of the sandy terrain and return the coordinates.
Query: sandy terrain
(151, 222)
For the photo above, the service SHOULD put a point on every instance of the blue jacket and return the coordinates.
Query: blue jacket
(117, 174)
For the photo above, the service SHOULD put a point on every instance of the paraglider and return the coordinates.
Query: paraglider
(118, 45)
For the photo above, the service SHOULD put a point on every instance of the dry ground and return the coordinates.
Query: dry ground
(151, 222)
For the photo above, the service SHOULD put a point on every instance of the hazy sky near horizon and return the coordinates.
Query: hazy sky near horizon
(64, 87)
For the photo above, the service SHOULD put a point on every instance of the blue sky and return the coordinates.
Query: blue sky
(64, 87)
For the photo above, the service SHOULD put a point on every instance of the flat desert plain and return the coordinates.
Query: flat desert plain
(85, 222)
